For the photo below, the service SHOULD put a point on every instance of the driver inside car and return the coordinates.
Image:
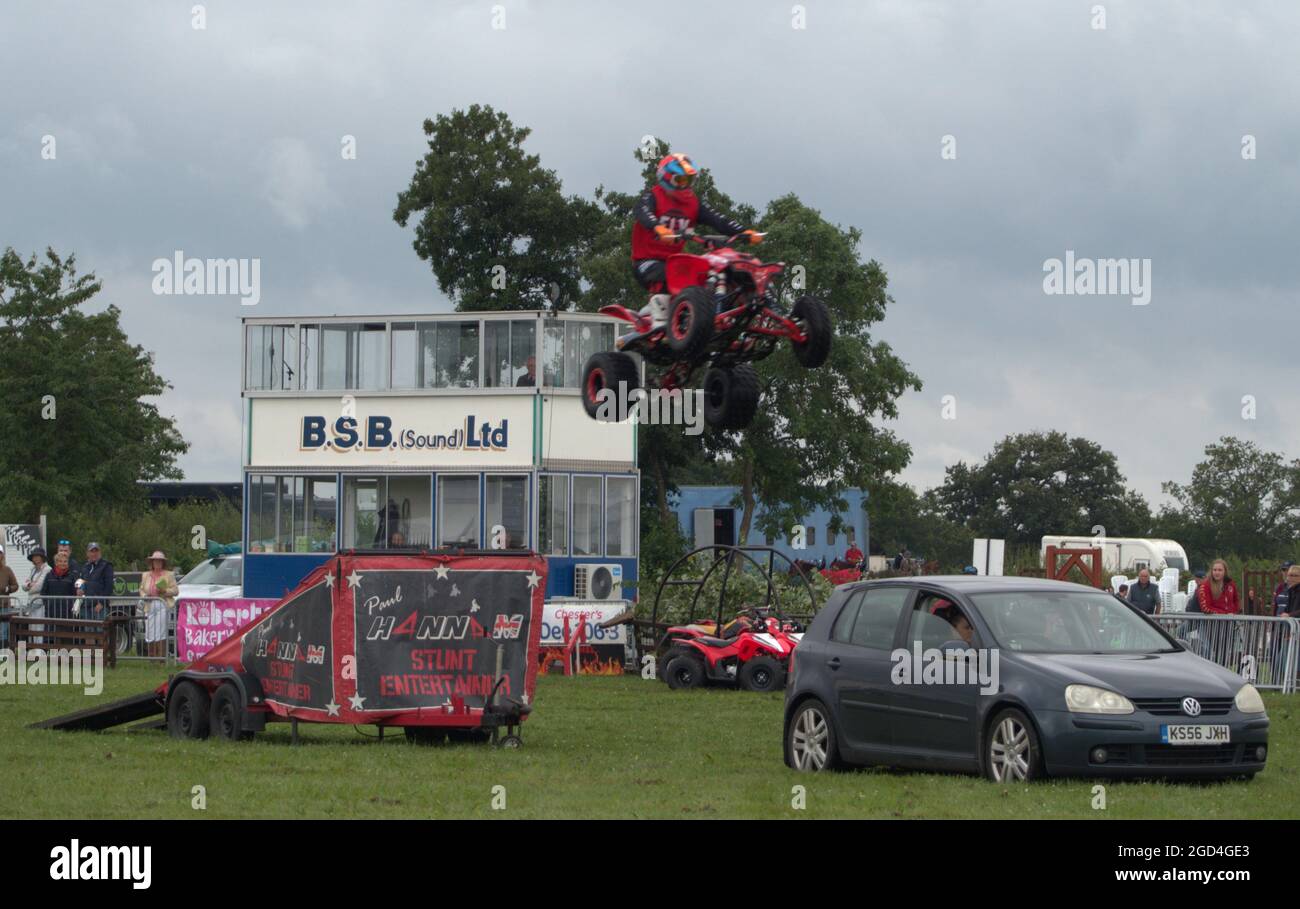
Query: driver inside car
(662, 215)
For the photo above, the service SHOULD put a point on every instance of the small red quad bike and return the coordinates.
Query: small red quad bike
(725, 313)
(752, 651)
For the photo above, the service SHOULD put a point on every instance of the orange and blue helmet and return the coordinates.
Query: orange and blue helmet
(676, 172)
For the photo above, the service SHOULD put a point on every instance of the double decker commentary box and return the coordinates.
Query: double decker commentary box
(446, 432)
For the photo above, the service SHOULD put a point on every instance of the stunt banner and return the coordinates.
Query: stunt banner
(403, 639)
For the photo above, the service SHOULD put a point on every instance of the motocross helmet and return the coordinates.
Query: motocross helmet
(676, 172)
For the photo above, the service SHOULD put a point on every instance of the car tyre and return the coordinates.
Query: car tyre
(762, 673)
(607, 370)
(1012, 752)
(690, 323)
(188, 711)
(810, 741)
(815, 320)
(731, 396)
(684, 672)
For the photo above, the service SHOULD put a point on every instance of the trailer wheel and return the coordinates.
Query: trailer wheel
(187, 712)
(424, 735)
(511, 741)
(226, 718)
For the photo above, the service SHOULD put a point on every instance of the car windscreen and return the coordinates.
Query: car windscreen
(1067, 622)
(223, 572)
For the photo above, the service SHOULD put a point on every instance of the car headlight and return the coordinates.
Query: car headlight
(1087, 699)
(1248, 700)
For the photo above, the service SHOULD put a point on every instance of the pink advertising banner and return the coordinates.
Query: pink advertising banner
(203, 624)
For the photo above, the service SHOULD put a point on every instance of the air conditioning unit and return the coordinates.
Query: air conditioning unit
(593, 581)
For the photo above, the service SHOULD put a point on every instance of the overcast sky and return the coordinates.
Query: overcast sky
(1125, 142)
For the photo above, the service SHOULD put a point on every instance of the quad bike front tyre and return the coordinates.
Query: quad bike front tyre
(690, 323)
(731, 396)
(762, 673)
(609, 370)
(815, 322)
(684, 671)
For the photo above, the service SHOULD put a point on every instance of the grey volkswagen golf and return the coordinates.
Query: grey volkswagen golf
(1014, 678)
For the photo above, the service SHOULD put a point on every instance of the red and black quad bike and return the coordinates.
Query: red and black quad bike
(752, 651)
(725, 313)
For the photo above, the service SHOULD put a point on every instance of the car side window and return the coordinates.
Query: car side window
(878, 613)
(935, 621)
(843, 627)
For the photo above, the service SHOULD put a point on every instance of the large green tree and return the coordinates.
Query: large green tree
(902, 518)
(1041, 483)
(494, 225)
(76, 425)
(1241, 500)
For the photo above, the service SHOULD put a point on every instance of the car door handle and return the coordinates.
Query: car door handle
(833, 662)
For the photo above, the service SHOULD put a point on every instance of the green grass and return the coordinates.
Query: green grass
(596, 747)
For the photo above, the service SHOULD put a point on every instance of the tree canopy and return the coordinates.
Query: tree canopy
(77, 428)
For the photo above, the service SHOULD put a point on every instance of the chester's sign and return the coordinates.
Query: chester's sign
(377, 433)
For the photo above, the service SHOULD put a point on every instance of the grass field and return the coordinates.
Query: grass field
(596, 747)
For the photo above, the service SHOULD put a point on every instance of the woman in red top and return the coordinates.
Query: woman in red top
(1217, 594)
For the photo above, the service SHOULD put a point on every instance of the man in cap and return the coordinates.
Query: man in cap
(65, 547)
(97, 579)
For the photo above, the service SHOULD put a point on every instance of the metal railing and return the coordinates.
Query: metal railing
(131, 617)
(1262, 649)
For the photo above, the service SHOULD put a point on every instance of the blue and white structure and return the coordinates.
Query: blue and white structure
(709, 514)
(445, 431)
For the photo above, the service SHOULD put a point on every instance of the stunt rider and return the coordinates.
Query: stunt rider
(663, 214)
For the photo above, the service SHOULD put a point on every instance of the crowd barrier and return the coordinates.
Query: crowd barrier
(130, 617)
(1262, 649)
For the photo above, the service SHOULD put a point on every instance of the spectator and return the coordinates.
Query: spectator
(1217, 594)
(65, 546)
(161, 583)
(1123, 591)
(60, 582)
(853, 554)
(1193, 592)
(1145, 595)
(97, 574)
(528, 379)
(1281, 590)
(8, 581)
(1290, 604)
(35, 581)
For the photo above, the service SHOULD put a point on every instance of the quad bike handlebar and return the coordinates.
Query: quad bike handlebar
(713, 241)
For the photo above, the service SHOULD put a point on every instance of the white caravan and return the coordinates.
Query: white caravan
(1125, 554)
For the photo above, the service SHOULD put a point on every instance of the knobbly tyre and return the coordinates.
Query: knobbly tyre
(441, 646)
(752, 651)
(725, 314)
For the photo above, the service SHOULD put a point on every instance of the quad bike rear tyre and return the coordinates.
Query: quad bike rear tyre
(731, 396)
(690, 323)
(815, 320)
(607, 370)
(684, 672)
(762, 673)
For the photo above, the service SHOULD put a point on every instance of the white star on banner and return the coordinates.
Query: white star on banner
(331, 708)
(329, 579)
(357, 701)
(473, 606)
(455, 591)
(533, 577)
(442, 572)
(354, 579)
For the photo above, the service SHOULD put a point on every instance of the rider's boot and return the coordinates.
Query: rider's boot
(657, 310)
